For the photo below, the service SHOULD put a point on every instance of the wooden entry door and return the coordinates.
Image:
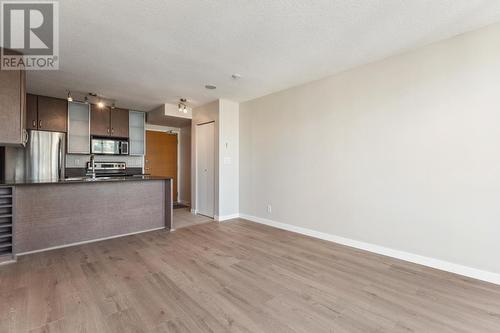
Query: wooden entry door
(161, 156)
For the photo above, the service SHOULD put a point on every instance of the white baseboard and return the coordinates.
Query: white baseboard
(87, 242)
(406, 256)
(10, 261)
(226, 217)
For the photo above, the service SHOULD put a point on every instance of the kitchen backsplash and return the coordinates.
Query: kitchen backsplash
(80, 161)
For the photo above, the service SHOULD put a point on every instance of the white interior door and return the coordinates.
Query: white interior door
(205, 169)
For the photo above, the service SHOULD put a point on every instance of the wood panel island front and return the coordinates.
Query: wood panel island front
(48, 215)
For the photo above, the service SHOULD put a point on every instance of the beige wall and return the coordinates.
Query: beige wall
(402, 153)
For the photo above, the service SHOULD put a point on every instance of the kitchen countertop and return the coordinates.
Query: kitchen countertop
(81, 180)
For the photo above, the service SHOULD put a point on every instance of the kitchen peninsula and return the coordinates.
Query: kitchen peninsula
(55, 214)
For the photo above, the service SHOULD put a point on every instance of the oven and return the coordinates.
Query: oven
(109, 169)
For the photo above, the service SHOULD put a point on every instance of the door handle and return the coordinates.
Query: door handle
(34, 123)
(107, 130)
(112, 130)
(40, 124)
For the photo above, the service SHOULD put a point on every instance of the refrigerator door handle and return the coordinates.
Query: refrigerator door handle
(25, 137)
(59, 159)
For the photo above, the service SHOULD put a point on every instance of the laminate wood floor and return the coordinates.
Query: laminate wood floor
(236, 277)
(182, 217)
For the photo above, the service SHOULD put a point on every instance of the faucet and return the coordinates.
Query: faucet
(91, 167)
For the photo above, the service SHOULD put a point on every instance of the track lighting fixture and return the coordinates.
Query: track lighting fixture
(182, 106)
(91, 98)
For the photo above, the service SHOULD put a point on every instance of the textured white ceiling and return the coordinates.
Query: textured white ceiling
(145, 53)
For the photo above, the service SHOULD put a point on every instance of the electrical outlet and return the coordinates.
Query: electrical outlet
(269, 209)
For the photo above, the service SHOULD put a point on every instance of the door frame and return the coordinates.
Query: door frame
(196, 201)
(169, 130)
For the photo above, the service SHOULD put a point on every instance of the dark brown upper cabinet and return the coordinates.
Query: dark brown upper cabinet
(52, 114)
(31, 111)
(108, 122)
(46, 113)
(12, 107)
(119, 123)
(100, 121)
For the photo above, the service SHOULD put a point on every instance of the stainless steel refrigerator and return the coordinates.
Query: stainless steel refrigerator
(43, 158)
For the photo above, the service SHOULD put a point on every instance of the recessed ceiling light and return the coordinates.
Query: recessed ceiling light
(210, 86)
(236, 76)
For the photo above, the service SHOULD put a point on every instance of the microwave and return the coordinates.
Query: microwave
(107, 146)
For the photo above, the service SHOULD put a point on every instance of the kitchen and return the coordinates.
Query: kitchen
(72, 172)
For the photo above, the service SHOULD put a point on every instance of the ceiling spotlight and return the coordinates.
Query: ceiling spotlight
(210, 86)
(185, 109)
(236, 76)
(113, 106)
(70, 98)
(100, 104)
(86, 100)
